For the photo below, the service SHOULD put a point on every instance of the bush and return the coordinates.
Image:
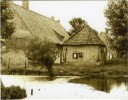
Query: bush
(116, 61)
(112, 61)
(12, 92)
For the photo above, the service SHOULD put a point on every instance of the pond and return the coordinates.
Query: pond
(69, 87)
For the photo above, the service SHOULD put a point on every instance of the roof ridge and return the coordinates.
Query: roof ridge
(75, 33)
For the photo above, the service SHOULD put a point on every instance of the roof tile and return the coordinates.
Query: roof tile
(85, 36)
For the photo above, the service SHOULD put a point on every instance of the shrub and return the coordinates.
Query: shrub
(12, 92)
(116, 61)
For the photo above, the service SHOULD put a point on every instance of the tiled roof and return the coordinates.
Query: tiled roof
(41, 25)
(85, 36)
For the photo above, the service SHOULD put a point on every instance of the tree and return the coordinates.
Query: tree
(116, 14)
(42, 51)
(76, 24)
(7, 27)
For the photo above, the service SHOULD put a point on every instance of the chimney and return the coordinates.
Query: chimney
(25, 4)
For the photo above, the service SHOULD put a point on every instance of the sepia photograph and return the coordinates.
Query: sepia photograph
(64, 49)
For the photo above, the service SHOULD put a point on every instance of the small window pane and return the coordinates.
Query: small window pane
(75, 55)
(80, 55)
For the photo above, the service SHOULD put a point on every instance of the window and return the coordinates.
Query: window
(77, 55)
(80, 55)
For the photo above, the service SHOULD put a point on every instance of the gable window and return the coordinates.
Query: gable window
(77, 55)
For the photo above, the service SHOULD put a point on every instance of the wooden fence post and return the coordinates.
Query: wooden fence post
(31, 91)
(9, 63)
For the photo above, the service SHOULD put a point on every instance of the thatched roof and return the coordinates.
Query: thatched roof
(41, 25)
(21, 34)
(85, 36)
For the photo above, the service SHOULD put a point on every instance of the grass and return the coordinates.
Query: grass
(21, 71)
(107, 70)
(30, 70)
(112, 68)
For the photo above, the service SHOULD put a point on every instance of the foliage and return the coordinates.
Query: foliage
(13, 92)
(7, 15)
(42, 51)
(76, 24)
(116, 14)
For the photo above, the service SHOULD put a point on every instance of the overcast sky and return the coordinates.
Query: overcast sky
(91, 11)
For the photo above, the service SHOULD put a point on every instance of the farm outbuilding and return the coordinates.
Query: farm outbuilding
(85, 47)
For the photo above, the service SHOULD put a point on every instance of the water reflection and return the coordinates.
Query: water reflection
(102, 84)
(47, 78)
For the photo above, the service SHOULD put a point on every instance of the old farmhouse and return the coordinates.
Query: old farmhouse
(85, 47)
(29, 23)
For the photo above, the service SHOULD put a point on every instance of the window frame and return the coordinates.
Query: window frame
(79, 55)
(75, 57)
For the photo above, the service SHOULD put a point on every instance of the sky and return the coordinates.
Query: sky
(91, 11)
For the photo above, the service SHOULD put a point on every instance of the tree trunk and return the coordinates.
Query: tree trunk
(50, 70)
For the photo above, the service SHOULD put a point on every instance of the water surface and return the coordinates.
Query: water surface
(102, 84)
(69, 87)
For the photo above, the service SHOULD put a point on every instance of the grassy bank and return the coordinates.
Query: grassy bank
(91, 71)
(22, 71)
(112, 68)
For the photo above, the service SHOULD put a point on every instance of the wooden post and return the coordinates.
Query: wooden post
(65, 56)
(25, 68)
(31, 91)
(9, 63)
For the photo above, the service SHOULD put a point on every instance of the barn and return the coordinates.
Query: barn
(84, 47)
